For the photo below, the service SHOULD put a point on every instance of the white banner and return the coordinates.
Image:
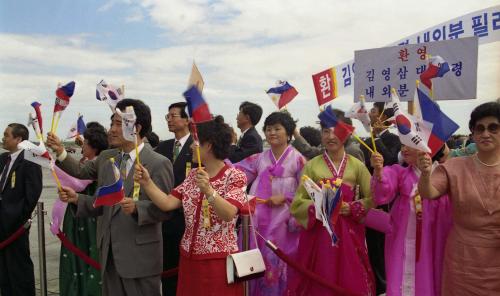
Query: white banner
(380, 69)
(484, 23)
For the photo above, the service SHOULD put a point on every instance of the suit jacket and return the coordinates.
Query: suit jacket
(20, 195)
(388, 145)
(135, 240)
(166, 148)
(250, 143)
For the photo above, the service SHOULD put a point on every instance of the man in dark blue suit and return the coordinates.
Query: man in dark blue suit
(250, 141)
(179, 152)
(20, 189)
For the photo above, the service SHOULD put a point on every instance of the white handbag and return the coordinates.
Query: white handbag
(245, 265)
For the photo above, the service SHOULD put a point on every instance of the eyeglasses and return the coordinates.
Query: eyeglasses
(492, 128)
(171, 116)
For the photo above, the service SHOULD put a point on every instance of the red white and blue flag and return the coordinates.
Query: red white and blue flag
(110, 195)
(36, 153)
(78, 128)
(437, 68)
(282, 94)
(412, 132)
(442, 126)
(38, 112)
(329, 120)
(63, 94)
(197, 107)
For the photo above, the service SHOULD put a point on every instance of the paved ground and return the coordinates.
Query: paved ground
(52, 245)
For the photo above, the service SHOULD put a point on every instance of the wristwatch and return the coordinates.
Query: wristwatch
(211, 198)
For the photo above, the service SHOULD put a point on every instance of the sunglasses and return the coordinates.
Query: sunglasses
(492, 128)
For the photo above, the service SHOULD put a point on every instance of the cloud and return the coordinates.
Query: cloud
(136, 15)
(241, 48)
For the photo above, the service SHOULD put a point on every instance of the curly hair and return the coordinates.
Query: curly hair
(217, 133)
(484, 110)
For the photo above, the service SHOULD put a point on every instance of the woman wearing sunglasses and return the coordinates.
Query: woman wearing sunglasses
(472, 255)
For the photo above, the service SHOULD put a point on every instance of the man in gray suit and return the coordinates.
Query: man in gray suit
(130, 245)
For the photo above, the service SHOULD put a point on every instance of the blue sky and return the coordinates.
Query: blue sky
(241, 48)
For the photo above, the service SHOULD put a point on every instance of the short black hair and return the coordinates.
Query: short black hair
(217, 133)
(19, 131)
(153, 139)
(96, 136)
(253, 111)
(142, 112)
(181, 106)
(482, 111)
(381, 107)
(283, 118)
(311, 135)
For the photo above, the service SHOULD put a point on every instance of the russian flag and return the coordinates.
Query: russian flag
(282, 94)
(340, 129)
(110, 195)
(437, 68)
(38, 112)
(442, 126)
(63, 94)
(197, 107)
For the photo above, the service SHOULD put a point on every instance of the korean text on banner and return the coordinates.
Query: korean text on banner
(381, 69)
(325, 86)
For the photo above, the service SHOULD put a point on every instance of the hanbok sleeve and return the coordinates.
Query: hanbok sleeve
(300, 207)
(249, 167)
(300, 162)
(384, 190)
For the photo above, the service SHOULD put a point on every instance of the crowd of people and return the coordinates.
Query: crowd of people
(408, 223)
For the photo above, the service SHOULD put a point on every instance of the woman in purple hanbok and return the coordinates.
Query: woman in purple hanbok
(275, 174)
(416, 231)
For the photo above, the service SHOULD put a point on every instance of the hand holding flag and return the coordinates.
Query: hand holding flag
(78, 128)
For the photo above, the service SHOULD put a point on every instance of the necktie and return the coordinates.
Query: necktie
(5, 173)
(177, 149)
(123, 165)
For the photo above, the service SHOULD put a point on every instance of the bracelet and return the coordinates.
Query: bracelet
(211, 198)
(358, 211)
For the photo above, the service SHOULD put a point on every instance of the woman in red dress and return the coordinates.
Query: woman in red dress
(211, 198)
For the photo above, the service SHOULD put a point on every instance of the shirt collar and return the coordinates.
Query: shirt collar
(132, 153)
(183, 140)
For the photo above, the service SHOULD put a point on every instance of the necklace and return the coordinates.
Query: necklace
(485, 164)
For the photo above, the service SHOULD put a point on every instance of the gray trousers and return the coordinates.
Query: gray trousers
(114, 285)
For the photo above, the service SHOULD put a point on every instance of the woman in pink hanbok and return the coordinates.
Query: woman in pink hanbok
(416, 231)
(275, 175)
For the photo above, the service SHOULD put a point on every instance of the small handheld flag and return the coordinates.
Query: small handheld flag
(128, 123)
(78, 128)
(109, 94)
(63, 94)
(111, 194)
(282, 94)
(412, 133)
(437, 68)
(38, 112)
(442, 126)
(197, 107)
(196, 79)
(340, 129)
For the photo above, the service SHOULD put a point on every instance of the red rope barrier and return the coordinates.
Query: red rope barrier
(75, 250)
(90, 261)
(15, 235)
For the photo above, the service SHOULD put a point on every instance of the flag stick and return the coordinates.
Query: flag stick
(362, 99)
(137, 186)
(362, 142)
(57, 179)
(197, 142)
(58, 117)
